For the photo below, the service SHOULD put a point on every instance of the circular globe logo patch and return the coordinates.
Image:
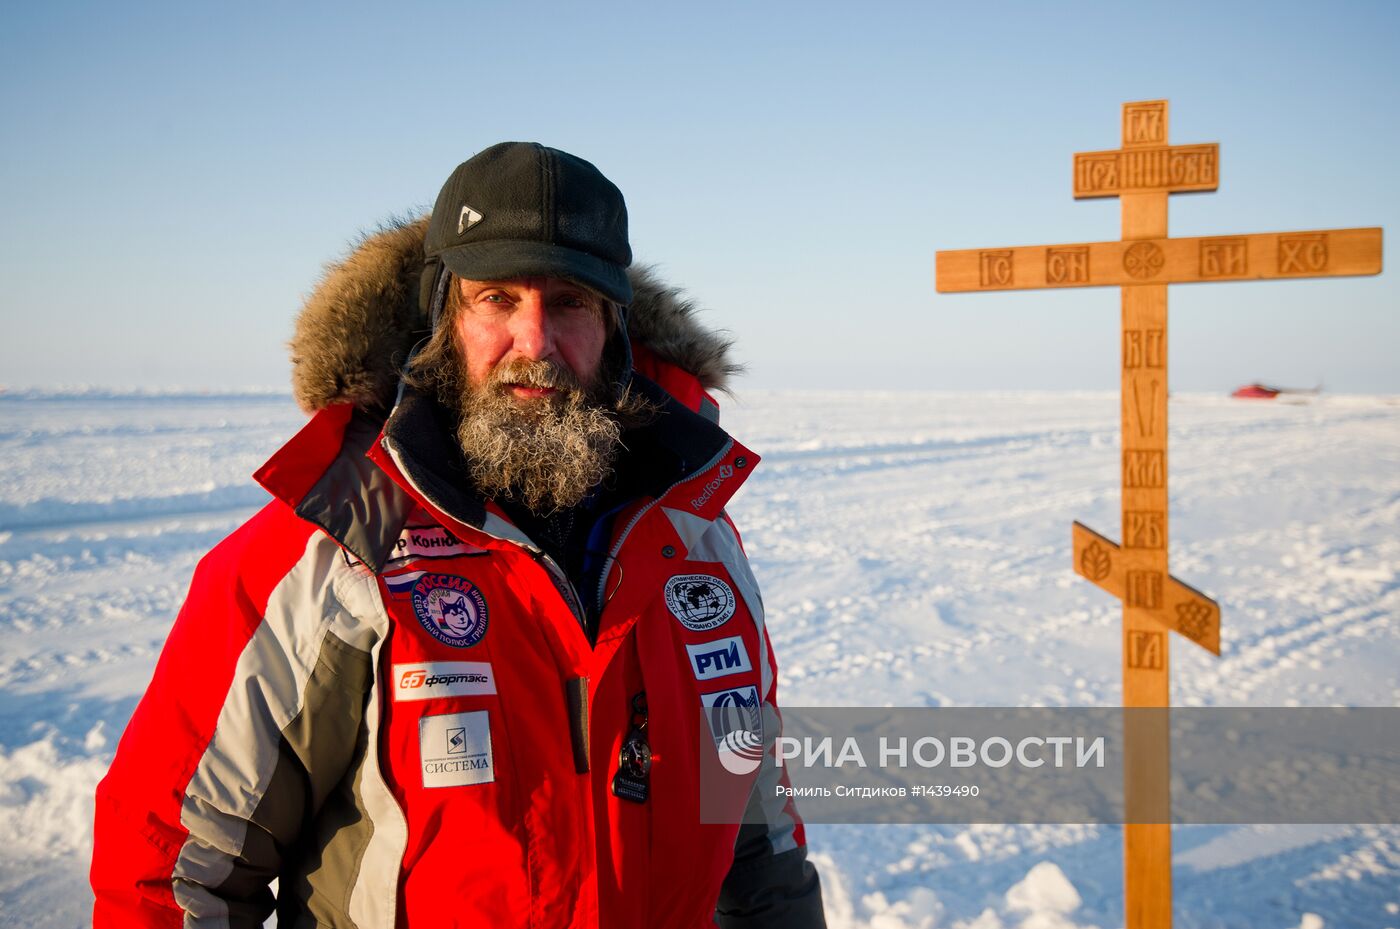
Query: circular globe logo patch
(451, 608)
(699, 601)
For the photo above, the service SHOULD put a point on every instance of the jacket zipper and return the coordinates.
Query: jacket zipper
(567, 592)
(565, 587)
(576, 689)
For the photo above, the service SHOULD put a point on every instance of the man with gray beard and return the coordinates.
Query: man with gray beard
(493, 656)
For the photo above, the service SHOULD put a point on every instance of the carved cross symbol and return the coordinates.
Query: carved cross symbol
(1142, 174)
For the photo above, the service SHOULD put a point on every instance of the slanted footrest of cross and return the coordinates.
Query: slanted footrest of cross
(1176, 605)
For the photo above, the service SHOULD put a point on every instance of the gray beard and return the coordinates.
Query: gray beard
(547, 453)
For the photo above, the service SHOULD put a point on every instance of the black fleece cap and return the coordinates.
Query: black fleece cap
(519, 209)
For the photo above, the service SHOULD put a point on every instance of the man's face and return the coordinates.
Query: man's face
(507, 326)
(536, 419)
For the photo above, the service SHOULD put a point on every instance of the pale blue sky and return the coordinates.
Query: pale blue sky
(174, 175)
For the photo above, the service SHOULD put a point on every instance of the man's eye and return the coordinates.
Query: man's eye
(492, 303)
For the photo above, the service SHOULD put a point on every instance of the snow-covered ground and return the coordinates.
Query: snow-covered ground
(914, 551)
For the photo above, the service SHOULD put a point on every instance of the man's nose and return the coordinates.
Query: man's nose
(531, 327)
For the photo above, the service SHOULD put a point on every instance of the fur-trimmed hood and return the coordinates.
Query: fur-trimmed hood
(362, 320)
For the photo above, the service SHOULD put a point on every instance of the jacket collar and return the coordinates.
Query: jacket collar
(360, 480)
(676, 447)
(324, 475)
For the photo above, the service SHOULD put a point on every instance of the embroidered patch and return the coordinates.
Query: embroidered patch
(429, 679)
(431, 542)
(455, 749)
(451, 608)
(735, 710)
(423, 542)
(699, 601)
(719, 658)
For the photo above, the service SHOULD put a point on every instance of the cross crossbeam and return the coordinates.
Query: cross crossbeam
(1192, 260)
(1176, 169)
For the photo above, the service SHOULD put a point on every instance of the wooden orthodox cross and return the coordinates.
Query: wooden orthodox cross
(1141, 174)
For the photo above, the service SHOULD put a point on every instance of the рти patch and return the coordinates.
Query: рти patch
(719, 658)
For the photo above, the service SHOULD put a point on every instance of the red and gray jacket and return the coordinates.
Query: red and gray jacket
(381, 693)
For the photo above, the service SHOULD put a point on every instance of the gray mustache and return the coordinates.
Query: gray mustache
(538, 374)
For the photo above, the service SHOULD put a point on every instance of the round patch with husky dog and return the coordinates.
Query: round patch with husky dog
(451, 608)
